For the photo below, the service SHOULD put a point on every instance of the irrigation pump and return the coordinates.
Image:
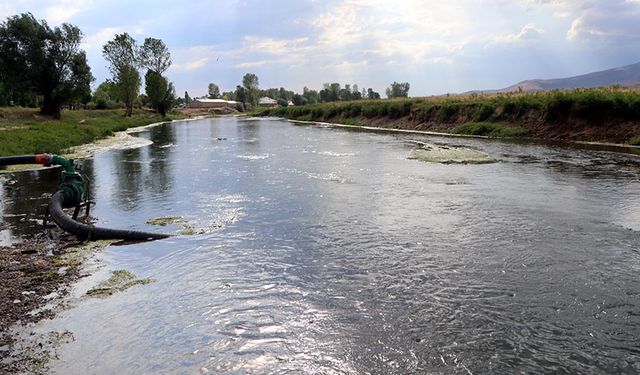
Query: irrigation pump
(70, 194)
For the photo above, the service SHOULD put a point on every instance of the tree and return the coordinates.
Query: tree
(372, 94)
(122, 55)
(250, 84)
(154, 55)
(214, 91)
(299, 99)
(311, 96)
(398, 90)
(355, 93)
(241, 94)
(155, 86)
(168, 101)
(187, 98)
(345, 93)
(229, 95)
(36, 60)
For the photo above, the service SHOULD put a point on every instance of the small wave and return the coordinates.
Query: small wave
(336, 154)
(327, 177)
(254, 157)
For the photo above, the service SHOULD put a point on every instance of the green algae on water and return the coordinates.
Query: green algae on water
(119, 281)
(166, 220)
(450, 155)
(187, 229)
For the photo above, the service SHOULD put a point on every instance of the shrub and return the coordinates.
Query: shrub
(490, 129)
(483, 112)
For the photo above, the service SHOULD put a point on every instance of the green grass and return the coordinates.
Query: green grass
(490, 129)
(635, 141)
(23, 131)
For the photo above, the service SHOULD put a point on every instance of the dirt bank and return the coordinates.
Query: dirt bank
(595, 115)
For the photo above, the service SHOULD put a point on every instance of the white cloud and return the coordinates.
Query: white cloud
(611, 20)
(528, 33)
(100, 37)
(63, 10)
(196, 64)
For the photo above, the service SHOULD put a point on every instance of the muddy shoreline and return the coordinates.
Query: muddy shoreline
(35, 276)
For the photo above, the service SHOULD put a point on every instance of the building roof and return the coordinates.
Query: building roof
(212, 100)
(266, 100)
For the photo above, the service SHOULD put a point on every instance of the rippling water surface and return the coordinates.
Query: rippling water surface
(326, 251)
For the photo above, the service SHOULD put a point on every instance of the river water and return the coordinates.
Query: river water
(323, 250)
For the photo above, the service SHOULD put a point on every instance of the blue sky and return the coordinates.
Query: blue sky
(437, 46)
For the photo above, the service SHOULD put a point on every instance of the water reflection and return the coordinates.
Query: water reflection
(327, 251)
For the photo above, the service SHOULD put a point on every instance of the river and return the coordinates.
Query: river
(324, 250)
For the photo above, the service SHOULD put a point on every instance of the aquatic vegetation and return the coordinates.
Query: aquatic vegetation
(166, 220)
(187, 229)
(119, 281)
(450, 155)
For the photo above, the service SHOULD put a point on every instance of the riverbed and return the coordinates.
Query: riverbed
(324, 250)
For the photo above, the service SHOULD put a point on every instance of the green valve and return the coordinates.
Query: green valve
(72, 184)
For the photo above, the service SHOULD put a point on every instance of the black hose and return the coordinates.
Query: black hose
(86, 232)
(13, 160)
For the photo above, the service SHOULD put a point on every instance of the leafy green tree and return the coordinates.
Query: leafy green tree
(372, 94)
(250, 84)
(214, 91)
(345, 93)
(229, 95)
(398, 90)
(241, 94)
(107, 91)
(155, 86)
(169, 100)
(36, 60)
(311, 96)
(154, 55)
(299, 99)
(122, 55)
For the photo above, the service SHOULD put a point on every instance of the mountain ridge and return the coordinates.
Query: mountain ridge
(627, 76)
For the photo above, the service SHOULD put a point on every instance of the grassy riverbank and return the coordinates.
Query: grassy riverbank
(610, 115)
(24, 131)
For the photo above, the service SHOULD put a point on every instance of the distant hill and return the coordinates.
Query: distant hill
(627, 76)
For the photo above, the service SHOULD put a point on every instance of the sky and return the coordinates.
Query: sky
(437, 46)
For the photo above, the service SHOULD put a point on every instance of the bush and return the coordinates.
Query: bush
(483, 112)
(490, 129)
(447, 113)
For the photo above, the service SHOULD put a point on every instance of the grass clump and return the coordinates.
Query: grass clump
(490, 129)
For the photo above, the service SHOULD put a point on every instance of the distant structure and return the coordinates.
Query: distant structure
(267, 102)
(212, 103)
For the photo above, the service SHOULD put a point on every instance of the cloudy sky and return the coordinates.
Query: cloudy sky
(438, 46)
